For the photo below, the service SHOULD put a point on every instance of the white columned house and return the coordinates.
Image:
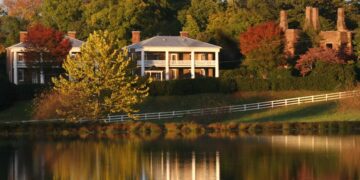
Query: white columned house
(19, 72)
(174, 57)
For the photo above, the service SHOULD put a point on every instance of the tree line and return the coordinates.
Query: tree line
(216, 21)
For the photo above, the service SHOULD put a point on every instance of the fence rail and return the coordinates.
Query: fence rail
(234, 108)
(216, 110)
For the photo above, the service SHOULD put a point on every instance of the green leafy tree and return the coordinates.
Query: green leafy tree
(357, 43)
(123, 16)
(191, 26)
(200, 10)
(102, 80)
(64, 15)
(9, 30)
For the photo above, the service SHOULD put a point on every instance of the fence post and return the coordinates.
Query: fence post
(258, 105)
(122, 117)
(299, 102)
(312, 98)
(272, 104)
(159, 115)
(173, 113)
(109, 118)
(286, 102)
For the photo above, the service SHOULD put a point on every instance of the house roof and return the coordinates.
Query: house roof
(171, 41)
(74, 43)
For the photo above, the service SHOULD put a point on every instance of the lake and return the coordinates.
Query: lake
(203, 158)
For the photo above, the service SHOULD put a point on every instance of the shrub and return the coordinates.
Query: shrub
(28, 91)
(7, 93)
(192, 86)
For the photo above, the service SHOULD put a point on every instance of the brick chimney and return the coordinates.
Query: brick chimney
(315, 19)
(23, 36)
(308, 17)
(184, 34)
(341, 26)
(283, 20)
(136, 36)
(72, 34)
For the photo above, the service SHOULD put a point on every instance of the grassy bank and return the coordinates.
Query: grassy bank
(20, 110)
(327, 111)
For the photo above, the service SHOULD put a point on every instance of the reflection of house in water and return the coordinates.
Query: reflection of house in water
(196, 166)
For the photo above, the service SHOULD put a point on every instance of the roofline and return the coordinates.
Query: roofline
(12, 46)
(141, 46)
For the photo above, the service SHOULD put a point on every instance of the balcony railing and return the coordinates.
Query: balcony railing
(150, 63)
(178, 63)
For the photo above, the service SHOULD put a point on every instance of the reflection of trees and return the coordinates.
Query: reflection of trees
(285, 159)
(91, 160)
(238, 158)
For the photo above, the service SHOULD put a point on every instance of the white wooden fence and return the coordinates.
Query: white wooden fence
(234, 108)
(215, 110)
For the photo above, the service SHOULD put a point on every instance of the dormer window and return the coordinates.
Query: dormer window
(20, 57)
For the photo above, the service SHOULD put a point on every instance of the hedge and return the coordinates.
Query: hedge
(324, 77)
(190, 86)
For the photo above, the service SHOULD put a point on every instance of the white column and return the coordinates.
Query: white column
(217, 166)
(42, 76)
(142, 63)
(167, 77)
(15, 79)
(192, 65)
(193, 166)
(217, 64)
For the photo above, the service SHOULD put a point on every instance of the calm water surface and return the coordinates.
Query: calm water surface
(255, 157)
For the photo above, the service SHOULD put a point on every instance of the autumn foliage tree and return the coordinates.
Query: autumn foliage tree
(256, 36)
(24, 9)
(45, 47)
(99, 81)
(307, 61)
(263, 47)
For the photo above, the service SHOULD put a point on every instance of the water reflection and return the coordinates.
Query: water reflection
(261, 157)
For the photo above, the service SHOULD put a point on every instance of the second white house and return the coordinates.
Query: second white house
(174, 57)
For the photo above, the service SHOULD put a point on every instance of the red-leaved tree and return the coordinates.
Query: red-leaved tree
(45, 47)
(255, 36)
(48, 42)
(307, 61)
(263, 47)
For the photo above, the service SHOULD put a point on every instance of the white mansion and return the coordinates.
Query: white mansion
(174, 57)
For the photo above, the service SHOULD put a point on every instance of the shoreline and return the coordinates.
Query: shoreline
(178, 129)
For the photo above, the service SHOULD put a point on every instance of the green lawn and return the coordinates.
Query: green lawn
(18, 111)
(170, 103)
(328, 111)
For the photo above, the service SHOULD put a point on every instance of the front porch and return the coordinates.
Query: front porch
(176, 59)
(178, 73)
